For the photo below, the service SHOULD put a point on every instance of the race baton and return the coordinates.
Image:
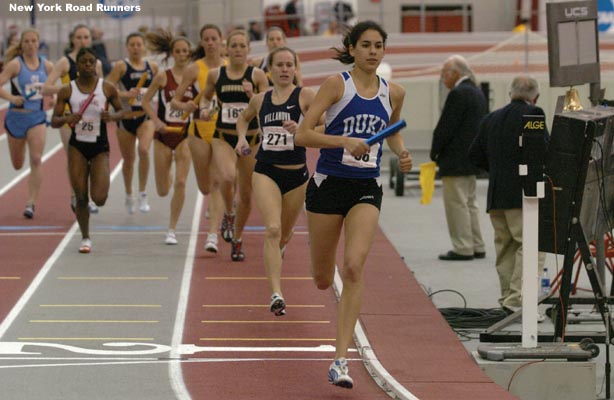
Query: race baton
(175, 129)
(139, 85)
(388, 131)
(196, 100)
(85, 104)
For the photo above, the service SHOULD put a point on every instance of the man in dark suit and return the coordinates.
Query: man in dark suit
(463, 110)
(496, 149)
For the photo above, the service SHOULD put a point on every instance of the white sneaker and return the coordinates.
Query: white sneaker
(338, 374)
(86, 246)
(171, 238)
(143, 204)
(93, 207)
(211, 242)
(278, 305)
(129, 204)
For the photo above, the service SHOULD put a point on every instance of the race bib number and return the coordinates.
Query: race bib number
(276, 138)
(174, 115)
(367, 160)
(231, 112)
(34, 91)
(138, 100)
(87, 130)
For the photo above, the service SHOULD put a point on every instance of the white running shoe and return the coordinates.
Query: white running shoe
(93, 207)
(86, 246)
(143, 204)
(171, 238)
(338, 374)
(129, 204)
(29, 211)
(211, 242)
(278, 305)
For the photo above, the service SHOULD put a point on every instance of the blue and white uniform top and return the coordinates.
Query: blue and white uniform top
(90, 129)
(359, 117)
(29, 83)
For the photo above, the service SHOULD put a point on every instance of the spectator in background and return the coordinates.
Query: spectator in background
(343, 12)
(292, 15)
(495, 149)
(255, 31)
(332, 29)
(315, 27)
(100, 50)
(458, 125)
(11, 39)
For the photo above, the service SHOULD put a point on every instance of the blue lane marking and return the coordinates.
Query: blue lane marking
(29, 227)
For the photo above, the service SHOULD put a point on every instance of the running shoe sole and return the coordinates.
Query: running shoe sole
(278, 307)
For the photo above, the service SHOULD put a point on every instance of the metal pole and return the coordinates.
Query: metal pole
(526, 46)
(33, 13)
(422, 17)
(530, 276)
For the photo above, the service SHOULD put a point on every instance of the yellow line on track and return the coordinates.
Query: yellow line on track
(261, 305)
(263, 322)
(104, 305)
(255, 278)
(268, 339)
(9, 278)
(90, 321)
(89, 339)
(113, 278)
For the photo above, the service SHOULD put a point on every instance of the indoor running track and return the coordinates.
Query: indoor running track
(137, 319)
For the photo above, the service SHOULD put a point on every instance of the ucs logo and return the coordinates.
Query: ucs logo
(575, 12)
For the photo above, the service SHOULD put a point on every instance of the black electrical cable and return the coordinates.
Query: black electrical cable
(465, 320)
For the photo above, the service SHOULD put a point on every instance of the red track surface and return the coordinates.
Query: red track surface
(218, 281)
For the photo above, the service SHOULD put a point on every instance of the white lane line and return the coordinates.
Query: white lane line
(115, 233)
(369, 359)
(163, 361)
(36, 282)
(42, 273)
(26, 171)
(2, 136)
(174, 368)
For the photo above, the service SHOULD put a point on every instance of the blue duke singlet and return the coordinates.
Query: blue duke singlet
(355, 116)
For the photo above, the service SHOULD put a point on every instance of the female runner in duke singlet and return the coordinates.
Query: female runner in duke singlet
(170, 144)
(280, 175)
(25, 119)
(234, 85)
(344, 192)
(127, 73)
(88, 149)
(208, 56)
